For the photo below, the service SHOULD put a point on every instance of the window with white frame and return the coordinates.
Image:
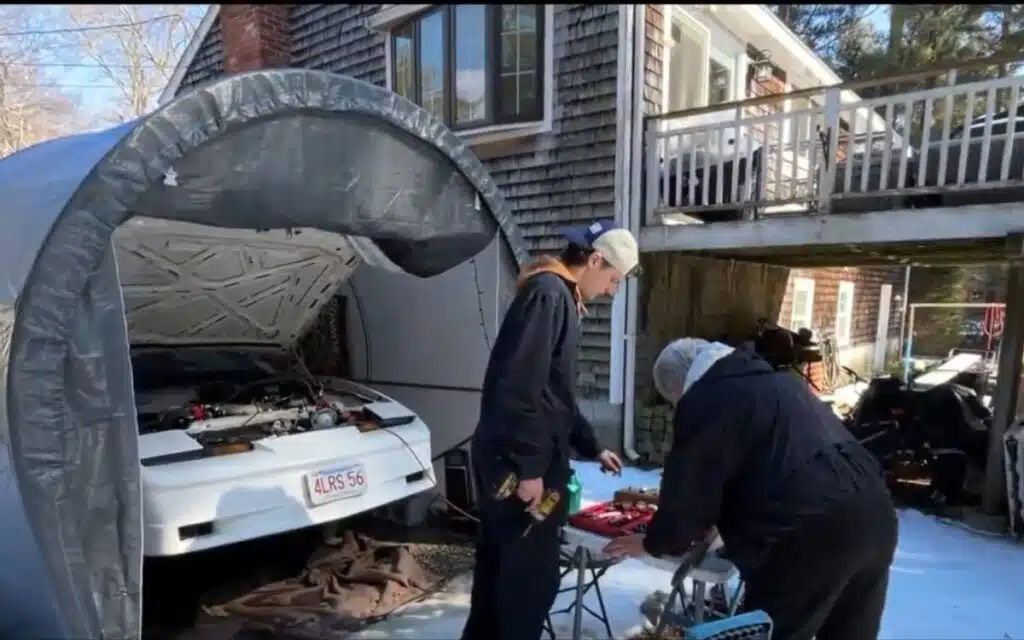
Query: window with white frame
(802, 313)
(696, 74)
(473, 65)
(687, 68)
(720, 81)
(844, 314)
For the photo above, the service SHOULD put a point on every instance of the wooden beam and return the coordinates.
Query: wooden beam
(1004, 400)
(806, 233)
(852, 259)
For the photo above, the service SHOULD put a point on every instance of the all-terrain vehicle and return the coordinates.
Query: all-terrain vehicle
(924, 437)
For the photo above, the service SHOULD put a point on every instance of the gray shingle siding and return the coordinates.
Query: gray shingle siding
(551, 180)
(654, 19)
(568, 176)
(209, 61)
(334, 37)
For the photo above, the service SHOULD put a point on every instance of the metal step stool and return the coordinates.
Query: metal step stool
(712, 572)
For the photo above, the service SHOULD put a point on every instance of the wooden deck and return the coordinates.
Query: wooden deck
(922, 176)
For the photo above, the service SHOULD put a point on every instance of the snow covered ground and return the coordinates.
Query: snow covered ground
(946, 583)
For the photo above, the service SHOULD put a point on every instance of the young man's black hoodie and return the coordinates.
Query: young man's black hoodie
(528, 412)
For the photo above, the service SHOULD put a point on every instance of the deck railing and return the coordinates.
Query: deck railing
(918, 139)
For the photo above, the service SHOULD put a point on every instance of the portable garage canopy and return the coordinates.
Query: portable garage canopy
(272, 150)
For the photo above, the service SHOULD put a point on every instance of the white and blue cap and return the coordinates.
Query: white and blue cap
(616, 245)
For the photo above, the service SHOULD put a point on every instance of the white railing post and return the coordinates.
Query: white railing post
(828, 173)
(653, 170)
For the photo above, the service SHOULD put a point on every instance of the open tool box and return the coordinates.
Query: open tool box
(612, 519)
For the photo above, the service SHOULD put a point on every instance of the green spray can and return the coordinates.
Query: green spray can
(575, 493)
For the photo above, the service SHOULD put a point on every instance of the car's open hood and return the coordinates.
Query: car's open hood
(186, 283)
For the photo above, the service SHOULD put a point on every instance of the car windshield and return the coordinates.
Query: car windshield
(167, 366)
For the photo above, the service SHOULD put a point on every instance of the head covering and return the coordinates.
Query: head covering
(616, 245)
(682, 363)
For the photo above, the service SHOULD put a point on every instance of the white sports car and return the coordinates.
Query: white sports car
(237, 439)
(250, 447)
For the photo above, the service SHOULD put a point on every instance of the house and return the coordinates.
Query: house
(857, 309)
(546, 96)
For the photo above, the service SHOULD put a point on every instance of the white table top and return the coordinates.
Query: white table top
(717, 570)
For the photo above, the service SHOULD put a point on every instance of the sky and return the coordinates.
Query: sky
(81, 79)
(94, 99)
(879, 18)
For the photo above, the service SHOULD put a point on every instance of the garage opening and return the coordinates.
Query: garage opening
(162, 277)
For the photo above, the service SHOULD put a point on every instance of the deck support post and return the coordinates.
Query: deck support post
(1004, 400)
(652, 191)
(830, 154)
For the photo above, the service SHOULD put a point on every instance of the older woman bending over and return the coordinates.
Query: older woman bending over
(802, 508)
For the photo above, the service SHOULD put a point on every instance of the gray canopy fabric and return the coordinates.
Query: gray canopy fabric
(275, 149)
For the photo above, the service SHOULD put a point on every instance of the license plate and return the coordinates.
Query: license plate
(336, 484)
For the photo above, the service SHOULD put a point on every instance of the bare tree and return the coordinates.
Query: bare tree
(33, 106)
(31, 111)
(134, 47)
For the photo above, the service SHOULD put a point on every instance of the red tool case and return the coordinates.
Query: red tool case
(611, 520)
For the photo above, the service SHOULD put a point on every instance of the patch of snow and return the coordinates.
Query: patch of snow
(948, 582)
(844, 398)
(441, 616)
(945, 583)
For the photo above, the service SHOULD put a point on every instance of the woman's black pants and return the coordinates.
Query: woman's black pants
(828, 578)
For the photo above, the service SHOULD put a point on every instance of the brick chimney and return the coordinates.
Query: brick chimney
(255, 36)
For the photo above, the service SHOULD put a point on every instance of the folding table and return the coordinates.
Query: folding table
(585, 548)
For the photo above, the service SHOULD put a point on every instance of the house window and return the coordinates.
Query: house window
(473, 65)
(404, 83)
(470, 71)
(431, 64)
(803, 304)
(719, 80)
(696, 74)
(844, 314)
(687, 55)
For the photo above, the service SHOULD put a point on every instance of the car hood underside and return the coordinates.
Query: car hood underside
(187, 283)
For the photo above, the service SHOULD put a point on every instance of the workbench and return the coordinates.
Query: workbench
(585, 547)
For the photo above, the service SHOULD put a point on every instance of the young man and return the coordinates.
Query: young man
(528, 421)
(803, 508)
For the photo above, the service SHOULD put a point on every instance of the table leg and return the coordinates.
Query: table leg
(677, 592)
(699, 591)
(737, 598)
(582, 555)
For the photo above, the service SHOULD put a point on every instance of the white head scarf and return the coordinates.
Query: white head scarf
(682, 363)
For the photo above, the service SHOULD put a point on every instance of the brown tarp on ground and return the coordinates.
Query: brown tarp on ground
(354, 579)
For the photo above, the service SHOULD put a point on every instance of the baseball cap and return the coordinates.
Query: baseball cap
(616, 245)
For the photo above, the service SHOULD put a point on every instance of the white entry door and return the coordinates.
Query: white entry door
(882, 332)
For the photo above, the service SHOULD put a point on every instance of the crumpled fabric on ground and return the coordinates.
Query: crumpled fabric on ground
(355, 579)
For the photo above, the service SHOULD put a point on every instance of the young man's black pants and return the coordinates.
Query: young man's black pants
(828, 578)
(515, 578)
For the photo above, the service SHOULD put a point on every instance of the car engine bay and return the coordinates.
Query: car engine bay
(227, 417)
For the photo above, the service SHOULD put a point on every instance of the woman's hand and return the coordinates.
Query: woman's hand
(626, 547)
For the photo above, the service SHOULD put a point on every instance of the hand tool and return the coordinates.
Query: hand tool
(549, 500)
(547, 505)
